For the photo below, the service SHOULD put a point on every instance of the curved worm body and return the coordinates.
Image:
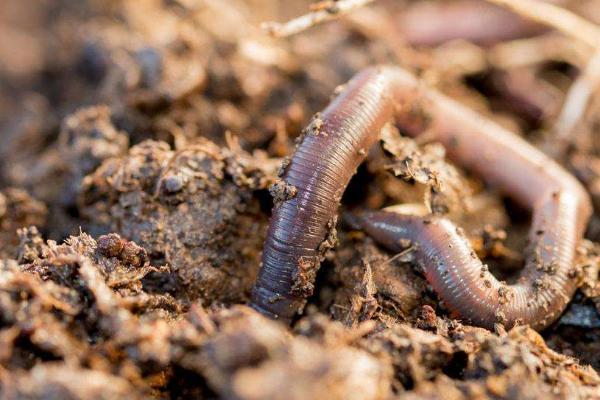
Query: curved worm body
(328, 156)
(464, 282)
(434, 23)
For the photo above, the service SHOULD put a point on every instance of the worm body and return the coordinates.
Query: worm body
(307, 198)
(324, 163)
(433, 23)
(464, 282)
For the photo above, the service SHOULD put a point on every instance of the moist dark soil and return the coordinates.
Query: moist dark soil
(141, 143)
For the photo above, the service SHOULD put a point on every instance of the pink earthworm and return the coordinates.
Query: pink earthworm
(431, 23)
(312, 182)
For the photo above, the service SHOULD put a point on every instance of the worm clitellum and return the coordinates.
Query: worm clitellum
(336, 143)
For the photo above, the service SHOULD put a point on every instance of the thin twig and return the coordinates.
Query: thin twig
(578, 97)
(554, 16)
(329, 10)
(527, 52)
(401, 254)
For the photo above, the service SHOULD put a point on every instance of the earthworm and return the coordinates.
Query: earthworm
(337, 141)
(302, 225)
(434, 23)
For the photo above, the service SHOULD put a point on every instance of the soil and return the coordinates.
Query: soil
(139, 163)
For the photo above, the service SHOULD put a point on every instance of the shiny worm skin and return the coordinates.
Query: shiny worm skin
(327, 157)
